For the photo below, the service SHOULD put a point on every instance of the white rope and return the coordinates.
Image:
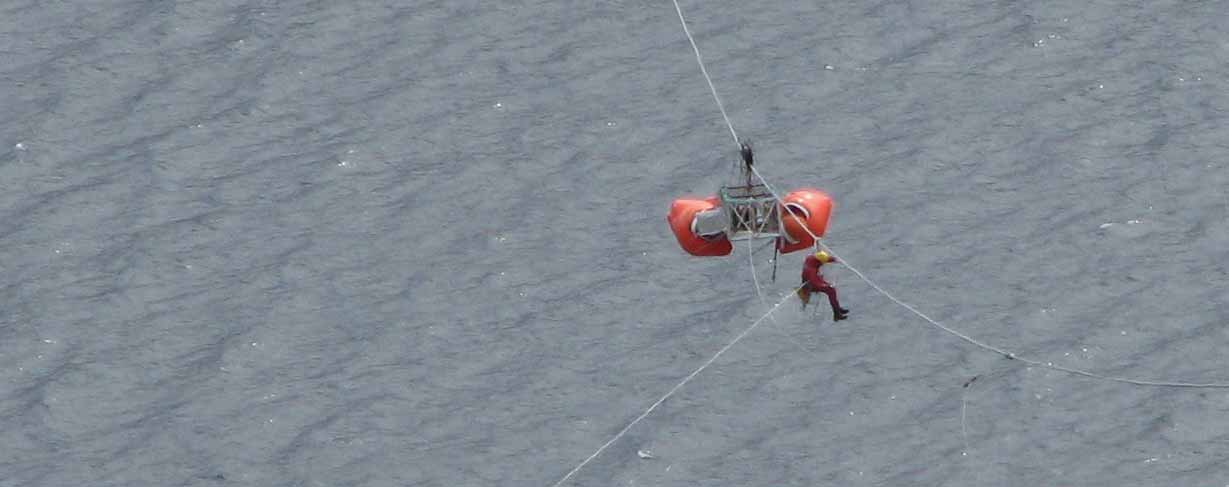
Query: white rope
(755, 279)
(985, 346)
(705, 71)
(768, 314)
(764, 301)
(676, 388)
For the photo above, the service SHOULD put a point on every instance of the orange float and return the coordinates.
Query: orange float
(812, 208)
(683, 216)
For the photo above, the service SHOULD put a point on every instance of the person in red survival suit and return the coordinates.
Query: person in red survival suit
(813, 281)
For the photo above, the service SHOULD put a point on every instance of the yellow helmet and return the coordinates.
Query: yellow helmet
(823, 257)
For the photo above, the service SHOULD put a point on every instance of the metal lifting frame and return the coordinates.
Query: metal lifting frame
(751, 212)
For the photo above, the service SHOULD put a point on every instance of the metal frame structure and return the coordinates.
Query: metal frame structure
(751, 212)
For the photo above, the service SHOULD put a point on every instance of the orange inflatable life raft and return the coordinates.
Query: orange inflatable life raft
(812, 209)
(684, 217)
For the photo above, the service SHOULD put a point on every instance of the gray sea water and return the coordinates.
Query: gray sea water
(381, 243)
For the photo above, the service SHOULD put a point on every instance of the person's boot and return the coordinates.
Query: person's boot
(838, 316)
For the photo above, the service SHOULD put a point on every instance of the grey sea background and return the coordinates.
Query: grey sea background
(378, 243)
